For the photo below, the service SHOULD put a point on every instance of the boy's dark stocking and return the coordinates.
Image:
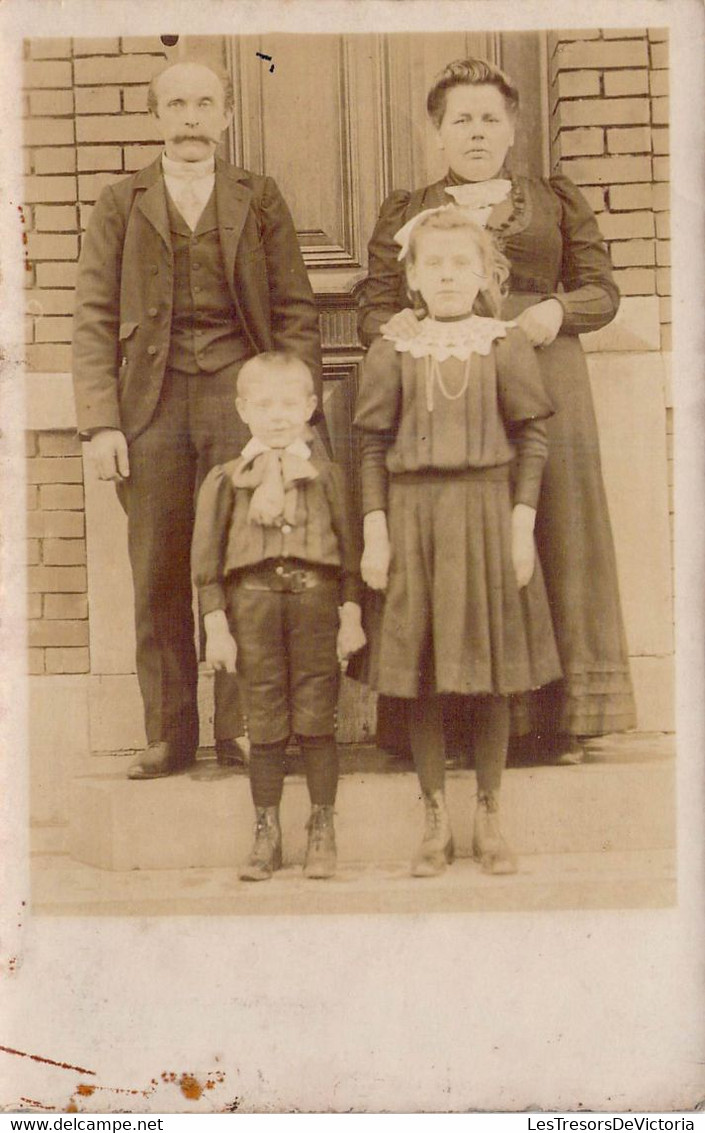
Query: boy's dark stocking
(266, 784)
(321, 761)
(267, 773)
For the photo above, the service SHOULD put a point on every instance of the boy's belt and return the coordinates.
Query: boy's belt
(285, 575)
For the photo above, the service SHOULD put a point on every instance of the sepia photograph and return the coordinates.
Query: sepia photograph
(300, 248)
(350, 545)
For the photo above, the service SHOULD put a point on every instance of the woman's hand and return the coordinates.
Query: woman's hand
(376, 556)
(405, 324)
(523, 548)
(221, 650)
(541, 323)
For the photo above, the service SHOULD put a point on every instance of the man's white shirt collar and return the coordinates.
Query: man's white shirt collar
(189, 184)
(188, 170)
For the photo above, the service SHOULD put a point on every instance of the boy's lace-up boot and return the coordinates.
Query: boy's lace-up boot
(266, 854)
(321, 858)
(436, 850)
(489, 846)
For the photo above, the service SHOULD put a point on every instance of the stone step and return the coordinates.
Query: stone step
(203, 818)
(627, 879)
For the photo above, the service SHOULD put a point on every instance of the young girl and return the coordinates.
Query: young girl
(453, 446)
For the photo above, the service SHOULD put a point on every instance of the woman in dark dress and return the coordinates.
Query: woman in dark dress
(561, 285)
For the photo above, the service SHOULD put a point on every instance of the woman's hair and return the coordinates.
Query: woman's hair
(468, 73)
(496, 265)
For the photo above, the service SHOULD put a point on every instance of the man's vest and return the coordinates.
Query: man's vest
(205, 334)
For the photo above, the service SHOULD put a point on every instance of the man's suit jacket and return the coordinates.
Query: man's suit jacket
(125, 285)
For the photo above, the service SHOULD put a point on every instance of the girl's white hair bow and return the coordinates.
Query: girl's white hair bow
(477, 199)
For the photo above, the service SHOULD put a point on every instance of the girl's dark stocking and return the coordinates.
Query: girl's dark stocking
(490, 716)
(426, 736)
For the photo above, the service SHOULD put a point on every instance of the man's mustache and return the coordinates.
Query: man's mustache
(195, 138)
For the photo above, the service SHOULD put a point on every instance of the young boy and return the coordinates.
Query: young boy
(276, 562)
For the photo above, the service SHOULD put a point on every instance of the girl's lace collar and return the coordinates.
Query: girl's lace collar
(443, 340)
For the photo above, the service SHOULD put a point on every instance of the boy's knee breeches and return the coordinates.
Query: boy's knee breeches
(287, 656)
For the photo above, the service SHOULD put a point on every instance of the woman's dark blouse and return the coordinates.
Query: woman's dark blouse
(546, 229)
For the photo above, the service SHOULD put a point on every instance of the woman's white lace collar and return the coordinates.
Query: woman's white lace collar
(479, 197)
(441, 340)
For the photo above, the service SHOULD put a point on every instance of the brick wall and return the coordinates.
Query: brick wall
(86, 123)
(56, 555)
(609, 134)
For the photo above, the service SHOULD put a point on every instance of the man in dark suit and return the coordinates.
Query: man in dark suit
(187, 268)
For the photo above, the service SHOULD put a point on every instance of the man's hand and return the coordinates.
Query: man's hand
(351, 635)
(108, 450)
(405, 324)
(541, 323)
(523, 549)
(376, 556)
(221, 650)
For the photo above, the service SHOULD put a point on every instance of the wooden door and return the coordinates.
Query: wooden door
(339, 121)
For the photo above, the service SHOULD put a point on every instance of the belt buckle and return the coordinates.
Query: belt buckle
(298, 580)
(291, 581)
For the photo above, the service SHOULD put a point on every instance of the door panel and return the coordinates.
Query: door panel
(409, 65)
(339, 123)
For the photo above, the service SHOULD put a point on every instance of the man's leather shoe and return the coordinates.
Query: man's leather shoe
(233, 753)
(159, 760)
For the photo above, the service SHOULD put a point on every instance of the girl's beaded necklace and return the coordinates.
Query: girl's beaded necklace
(437, 340)
(434, 376)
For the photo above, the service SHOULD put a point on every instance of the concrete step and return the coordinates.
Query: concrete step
(203, 818)
(629, 879)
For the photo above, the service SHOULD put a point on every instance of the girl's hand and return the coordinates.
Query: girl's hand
(376, 556)
(405, 324)
(523, 548)
(221, 650)
(351, 635)
(541, 323)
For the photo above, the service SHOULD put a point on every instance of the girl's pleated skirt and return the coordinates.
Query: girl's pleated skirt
(454, 619)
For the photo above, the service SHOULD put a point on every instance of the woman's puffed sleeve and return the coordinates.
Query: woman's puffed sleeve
(384, 291)
(525, 405)
(377, 417)
(590, 298)
(210, 536)
(520, 385)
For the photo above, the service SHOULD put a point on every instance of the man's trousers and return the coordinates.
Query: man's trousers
(195, 426)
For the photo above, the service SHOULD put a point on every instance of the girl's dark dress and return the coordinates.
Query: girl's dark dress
(438, 445)
(551, 238)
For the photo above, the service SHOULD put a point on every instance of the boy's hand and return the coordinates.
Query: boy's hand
(523, 549)
(221, 650)
(404, 324)
(374, 565)
(351, 635)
